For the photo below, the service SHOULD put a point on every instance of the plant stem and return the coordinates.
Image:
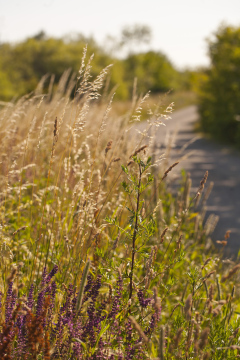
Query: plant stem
(135, 234)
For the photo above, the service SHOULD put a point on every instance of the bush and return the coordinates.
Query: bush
(22, 65)
(219, 99)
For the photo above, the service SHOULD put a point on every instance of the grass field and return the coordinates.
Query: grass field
(98, 259)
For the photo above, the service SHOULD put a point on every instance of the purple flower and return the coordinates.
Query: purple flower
(51, 274)
(44, 274)
(1, 295)
(154, 320)
(10, 302)
(117, 298)
(130, 351)
(143, 302)
(30, 297)
(40, 301)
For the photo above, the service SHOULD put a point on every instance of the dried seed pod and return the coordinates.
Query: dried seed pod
(204, 338)
(203, 181)
(206, 262)
(163, 235)
(139, 329)
(138, 151)
(20, 229)
(108, 147)
(178, 337)
(169, 169)
(231, 273)
(217, 310)
(187, 307)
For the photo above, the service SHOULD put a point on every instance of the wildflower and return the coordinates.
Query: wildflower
(143, 302)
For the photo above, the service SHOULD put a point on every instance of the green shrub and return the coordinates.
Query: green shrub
(220, 93)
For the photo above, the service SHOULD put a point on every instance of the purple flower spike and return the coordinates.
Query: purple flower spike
(40, 301)
(30, 300)
(51, 274)
(143, 302)
(117, 299)
(9, 301)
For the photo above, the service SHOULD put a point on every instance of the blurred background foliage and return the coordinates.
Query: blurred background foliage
(215, 89)
(23, 64)
(219, 99)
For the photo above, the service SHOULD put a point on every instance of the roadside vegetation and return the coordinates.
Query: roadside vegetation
(98, 259)
(219, 104)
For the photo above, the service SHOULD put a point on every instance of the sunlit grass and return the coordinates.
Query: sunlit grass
(98, 259)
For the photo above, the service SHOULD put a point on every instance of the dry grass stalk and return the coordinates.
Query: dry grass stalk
(196, 336)
(188, 307)
(206, 356)
(222, 242)
(217, 310)
(175, 307)
(235, 347)
(108, 147)
(20, 229)
(204, 338)
(177, 338)
(169, 169)
(161, 348)
(138, 329)
(235, 333)
(227, 234)
(203, 181)
(211, 293)
(149, 265)
(231, 273)
(206, 262)
(12, 275)
(208, 275)
(163, 235)
(138, 151)
(130, 163)
(189, 336)
(156, 301)
(115, 244)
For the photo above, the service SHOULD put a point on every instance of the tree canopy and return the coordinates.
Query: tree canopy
(23, 64)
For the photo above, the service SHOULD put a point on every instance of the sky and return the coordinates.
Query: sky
(179, 27)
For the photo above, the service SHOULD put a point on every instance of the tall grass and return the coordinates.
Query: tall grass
(98, 259)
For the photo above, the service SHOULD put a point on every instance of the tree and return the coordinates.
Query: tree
(153, 71)
(22, 65)
(135, 35)
(130, 40)
(219, 106)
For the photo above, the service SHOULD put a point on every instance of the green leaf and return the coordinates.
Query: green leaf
(130, 210)
(103, 330)
(124, 168)
(82, 285)
(149, 160)
(81, 342)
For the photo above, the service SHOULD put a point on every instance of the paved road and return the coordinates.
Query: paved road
(223, 165)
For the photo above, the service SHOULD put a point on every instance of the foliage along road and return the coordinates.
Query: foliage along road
(223, 165)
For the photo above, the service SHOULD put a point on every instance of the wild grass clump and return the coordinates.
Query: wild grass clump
(98, 259)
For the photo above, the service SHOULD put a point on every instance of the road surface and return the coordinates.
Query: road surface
(223, 165)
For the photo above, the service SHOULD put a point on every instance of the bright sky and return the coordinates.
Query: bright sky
(179, 27)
